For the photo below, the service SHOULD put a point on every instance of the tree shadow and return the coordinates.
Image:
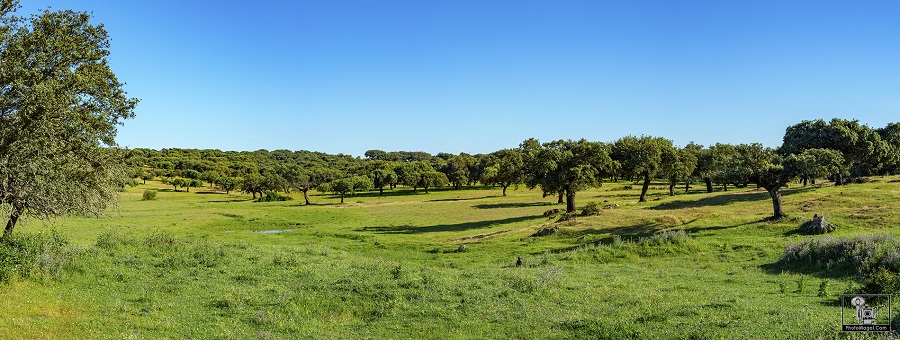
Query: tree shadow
(637, 231)
(387, 192)
(512, 205)
(230, 200)
(460, 199)
(408, 229)
(725, 199)
(210, 192)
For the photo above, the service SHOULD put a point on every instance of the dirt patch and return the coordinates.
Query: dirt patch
(479, 236)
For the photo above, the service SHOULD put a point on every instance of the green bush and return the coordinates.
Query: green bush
(850, 256)
(874, 260)
(271, 196)
(149, 195)
(591, 209)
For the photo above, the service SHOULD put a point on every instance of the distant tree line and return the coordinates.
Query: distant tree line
(811, 150)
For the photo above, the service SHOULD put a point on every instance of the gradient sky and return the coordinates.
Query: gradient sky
(478, 76)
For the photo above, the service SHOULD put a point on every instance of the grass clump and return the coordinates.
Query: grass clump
(664, 243)
(38, 256)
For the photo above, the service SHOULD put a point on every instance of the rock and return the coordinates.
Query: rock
(567, 216)
(818, 225)
(551, 212)
(462, 248)
(546, 231)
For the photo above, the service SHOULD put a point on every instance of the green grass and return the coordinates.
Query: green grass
(208, 265)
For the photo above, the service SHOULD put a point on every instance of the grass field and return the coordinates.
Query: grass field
(209, 265)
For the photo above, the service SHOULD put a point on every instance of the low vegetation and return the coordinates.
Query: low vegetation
(203, 265)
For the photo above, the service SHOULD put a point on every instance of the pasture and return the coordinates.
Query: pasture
(203, 264)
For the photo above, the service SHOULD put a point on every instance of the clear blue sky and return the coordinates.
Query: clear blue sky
(478, 76)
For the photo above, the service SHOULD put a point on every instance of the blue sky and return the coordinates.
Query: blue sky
(478, 76)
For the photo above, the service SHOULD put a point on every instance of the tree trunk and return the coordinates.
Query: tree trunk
(188, 189)
(560, 200)
(805, 180)
(672, 188)
(342, 198)
(504, 189)
(254, 194)
(13, 218)
(380, 191)
(709, 187)
(724, 186)
(426, 189)
(776, 203)
(687, 186)
(570, 201)
(838, 179)
(305, 196)
(415, 188)
(812, 181)
(645, 187)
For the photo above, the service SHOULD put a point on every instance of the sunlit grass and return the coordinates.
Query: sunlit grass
(209, 265)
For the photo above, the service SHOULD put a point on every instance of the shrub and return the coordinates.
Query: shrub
(591, 209)
(874, 260)
(852, 256)
(149, 195)
(271, 196)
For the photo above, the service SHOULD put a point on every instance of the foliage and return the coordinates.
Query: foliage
(504, 168)
(347, 185)
(642, 158)
(863, 150)
(272, 196)
(566, 166)
(591, 209)
(383, 177)
(678, 165)
(457, 169)
(149, 195)
(60, 104)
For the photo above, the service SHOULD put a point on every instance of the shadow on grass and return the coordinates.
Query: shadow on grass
(408, 191)
(635, 232)
(208, 192)
(461, 199)
(725, 199)
(447, 227)
(511, 205)
(231, 200)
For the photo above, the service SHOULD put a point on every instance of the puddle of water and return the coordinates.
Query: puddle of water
(274, 231)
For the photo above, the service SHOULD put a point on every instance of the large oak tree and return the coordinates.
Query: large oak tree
(566, 166)
(60, 104)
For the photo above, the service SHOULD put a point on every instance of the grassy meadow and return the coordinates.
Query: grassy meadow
(205, 264)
